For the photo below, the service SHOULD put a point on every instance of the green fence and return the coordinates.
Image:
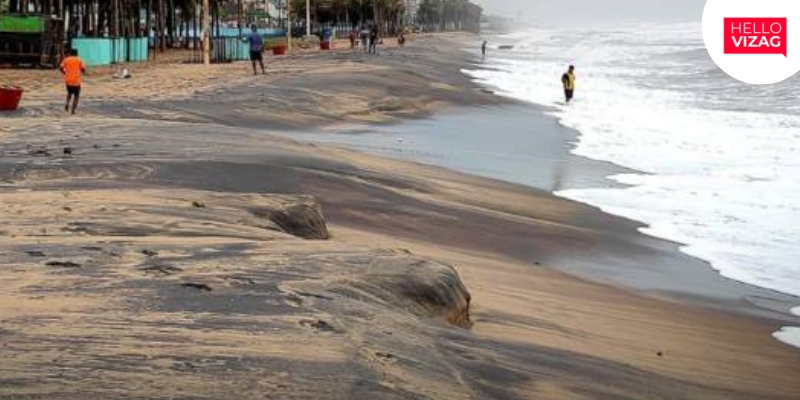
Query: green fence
(137, 50)
(104, 51)
(21, 24)
(234, 49)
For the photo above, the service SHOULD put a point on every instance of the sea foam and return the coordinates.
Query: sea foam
(720, 161)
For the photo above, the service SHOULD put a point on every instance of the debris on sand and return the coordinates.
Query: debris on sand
(123, 74)
(241, 280)
(149, 253)
(163, 269)
(318, 324)
(198, 286)
(314, 295)
(63, 264)
(39, 152)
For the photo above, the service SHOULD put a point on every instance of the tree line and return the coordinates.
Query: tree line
(433, 15)
(170, 19)
(449, 15)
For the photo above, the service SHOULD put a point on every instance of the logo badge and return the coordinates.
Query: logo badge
(755, 36)
(754, 42)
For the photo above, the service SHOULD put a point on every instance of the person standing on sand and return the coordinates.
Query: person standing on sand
(568, 80)
(365, 38)
(483, 48)
(373, 40)
(352, 39)
(256, 50)
(73, 69)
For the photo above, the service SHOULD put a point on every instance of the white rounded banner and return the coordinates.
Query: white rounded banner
(756, 42)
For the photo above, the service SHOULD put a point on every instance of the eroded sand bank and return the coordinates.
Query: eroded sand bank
(173, 253)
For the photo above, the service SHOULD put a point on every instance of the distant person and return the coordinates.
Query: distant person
(73, 69)
(568, 80)
(401, 40)
(365, 39)
(483, 48)
(352, 39)
(373, 40)
(256, 50)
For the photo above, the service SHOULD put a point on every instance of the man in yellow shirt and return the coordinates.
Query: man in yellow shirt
(73, 68)
(568, 80)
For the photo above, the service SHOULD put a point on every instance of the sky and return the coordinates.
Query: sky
(601, 11)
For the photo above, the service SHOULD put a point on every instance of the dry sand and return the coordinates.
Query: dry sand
(167, 256)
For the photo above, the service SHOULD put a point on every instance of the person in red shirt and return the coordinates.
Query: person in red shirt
(73, 69)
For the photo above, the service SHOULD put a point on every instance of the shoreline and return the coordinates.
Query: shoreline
(697, 283)
(714, 248)
(187, 191)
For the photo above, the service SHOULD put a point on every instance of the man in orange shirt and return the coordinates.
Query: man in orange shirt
(73, 68)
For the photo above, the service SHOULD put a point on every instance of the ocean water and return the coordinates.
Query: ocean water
(720, 160)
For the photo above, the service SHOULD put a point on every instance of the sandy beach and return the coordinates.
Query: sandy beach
(167, 243)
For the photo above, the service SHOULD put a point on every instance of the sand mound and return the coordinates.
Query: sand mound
(423, 287)
(208, 291)
(302, 218)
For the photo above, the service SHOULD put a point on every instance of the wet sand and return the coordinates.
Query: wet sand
(527, 147)
(155, 260)
(522, 146)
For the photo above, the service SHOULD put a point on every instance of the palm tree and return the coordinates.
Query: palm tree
(429, 14)
(170, 17)
(449, 15)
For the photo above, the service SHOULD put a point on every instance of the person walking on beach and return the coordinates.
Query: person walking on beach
(365, 38)
(256, 50)
(352, 39)
(568, 80)
(73, 69)
(373, 40)
(483, 48)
